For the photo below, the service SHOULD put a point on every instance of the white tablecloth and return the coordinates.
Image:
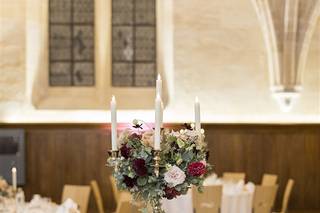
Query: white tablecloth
(236, 198)
(37, 205)
(182, 203)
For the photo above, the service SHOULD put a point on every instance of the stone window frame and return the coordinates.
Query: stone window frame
(43, 96)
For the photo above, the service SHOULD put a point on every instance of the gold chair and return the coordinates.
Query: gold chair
(209, 201)
(286, 195)
(123, 199)
(115, 191)
(97, 195)
(269, 180)
(263, 199)
(79, 194)
(233, 176)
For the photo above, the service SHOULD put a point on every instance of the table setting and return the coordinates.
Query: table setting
(12, 200)
(237, 197)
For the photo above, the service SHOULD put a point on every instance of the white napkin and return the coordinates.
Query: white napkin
(239, 186)
(39, 205)
(211, 180)
(249, 187)
(69, 206)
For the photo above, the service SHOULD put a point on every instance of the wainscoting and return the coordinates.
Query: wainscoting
(59, 154)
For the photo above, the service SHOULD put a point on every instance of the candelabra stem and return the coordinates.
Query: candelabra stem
(114, 155)
(156, 162)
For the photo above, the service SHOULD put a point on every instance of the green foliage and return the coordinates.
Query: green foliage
(177, 149)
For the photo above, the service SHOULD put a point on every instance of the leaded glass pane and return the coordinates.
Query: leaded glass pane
(145, 12)
(144, 74)
(133, 43)
(122, 12)
(71, 42)
(145, 44)
(83, 46)
(122, 74)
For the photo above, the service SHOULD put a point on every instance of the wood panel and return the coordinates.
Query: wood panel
(288, 151)
(75, 154)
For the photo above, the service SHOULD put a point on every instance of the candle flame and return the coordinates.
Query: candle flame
(197, 99)
(159, 76)
(14, 170)
(113, 98)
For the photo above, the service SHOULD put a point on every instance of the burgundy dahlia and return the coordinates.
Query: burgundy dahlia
(171, 193)
(139, 166)
(130, 182)
(196, 169)
(125, 151)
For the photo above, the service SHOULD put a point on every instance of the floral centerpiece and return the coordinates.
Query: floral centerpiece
(6, 191)
(182, 163)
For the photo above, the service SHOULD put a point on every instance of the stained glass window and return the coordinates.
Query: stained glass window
(71, 42)
(133, 43)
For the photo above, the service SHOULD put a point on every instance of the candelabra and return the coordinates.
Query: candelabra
(113, 160)
(156, 162)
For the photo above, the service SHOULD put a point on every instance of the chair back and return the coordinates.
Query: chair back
(263, 199)
(97, 195)
(115, 191)
(79, 194)
(269, 180)
(209, 201)
(233, 176)
(286, 195)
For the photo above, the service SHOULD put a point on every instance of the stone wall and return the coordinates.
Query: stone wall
(219, 55)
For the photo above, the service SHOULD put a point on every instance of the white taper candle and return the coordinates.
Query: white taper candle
(159, 86)
(197, 115)
(159, 92)
(14, 178)
(113, 109)
(157, 125)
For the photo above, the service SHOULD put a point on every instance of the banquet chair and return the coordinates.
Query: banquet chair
(263, 198)
(269, 180)
(97, 195)
(286, 196)
(209, 201)
(79, 194)
(123, 199)
(233, 176)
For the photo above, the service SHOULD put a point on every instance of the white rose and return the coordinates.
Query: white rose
(174, 176)
(191, 133)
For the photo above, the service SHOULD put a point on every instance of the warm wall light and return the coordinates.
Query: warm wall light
(286, 99)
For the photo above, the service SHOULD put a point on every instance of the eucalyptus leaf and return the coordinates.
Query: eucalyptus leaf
(141, 181)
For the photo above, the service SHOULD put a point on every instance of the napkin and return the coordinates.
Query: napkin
(38, 205)
(249, 187)
(69, 206)
(211, 180)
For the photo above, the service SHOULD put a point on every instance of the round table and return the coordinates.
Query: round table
(236, 198)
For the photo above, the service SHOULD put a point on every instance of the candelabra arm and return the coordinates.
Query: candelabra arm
(114, 156)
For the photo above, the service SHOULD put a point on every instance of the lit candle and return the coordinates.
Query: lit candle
(159, 92)
(113, 109)
(14, 178)
(157, 125)
(197, 115)
(159, 86)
